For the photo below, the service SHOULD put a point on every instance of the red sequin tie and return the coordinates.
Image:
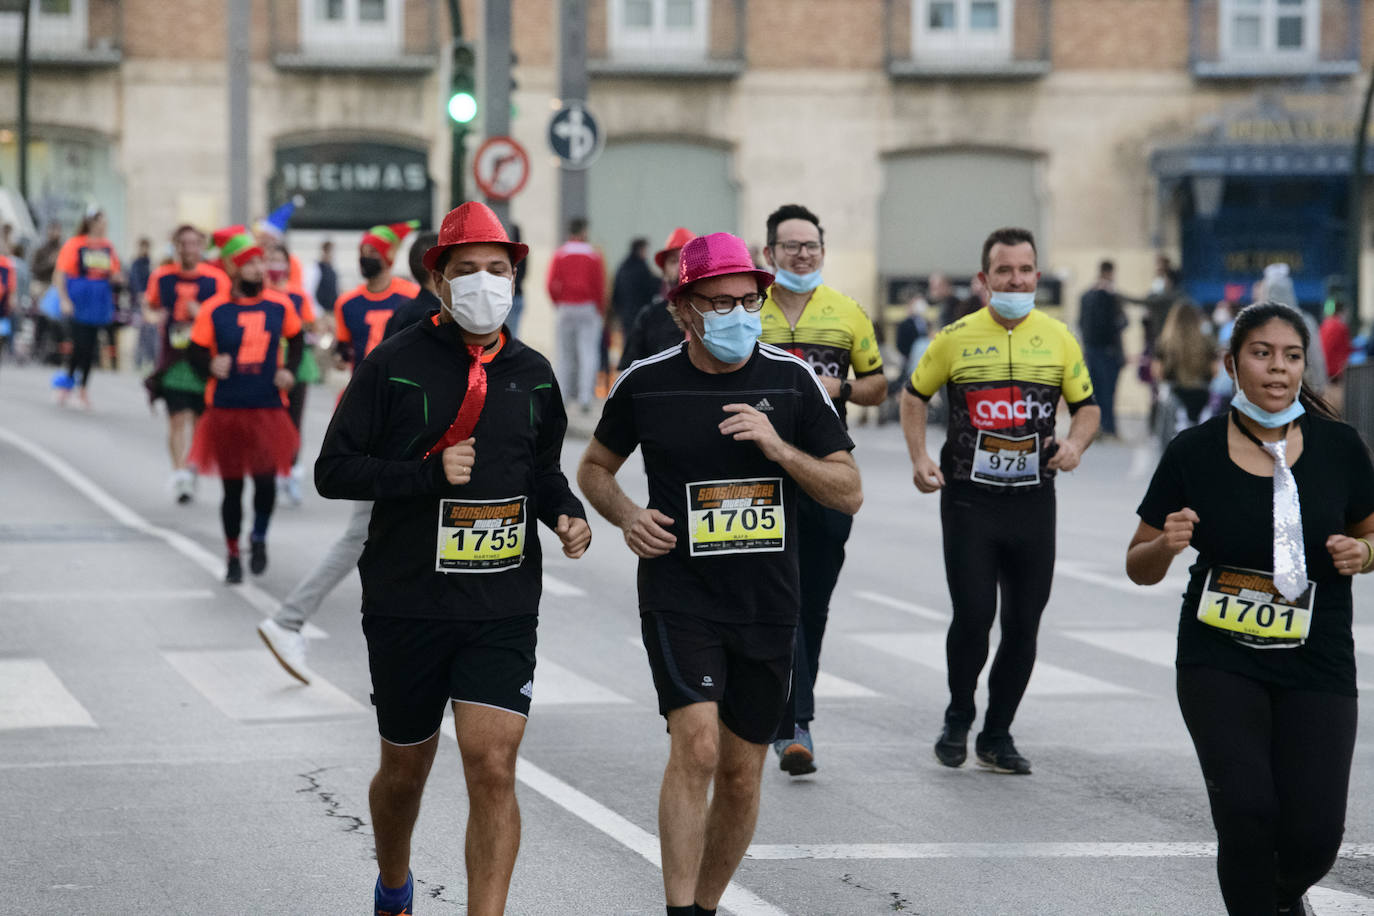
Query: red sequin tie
(471, 408)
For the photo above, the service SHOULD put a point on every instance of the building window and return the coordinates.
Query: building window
(55, 26)
(675, 29)
(977, 28)
(1270, 29)
(369, 27)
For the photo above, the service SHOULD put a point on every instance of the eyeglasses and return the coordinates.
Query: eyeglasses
(724, 305)
(793, 247)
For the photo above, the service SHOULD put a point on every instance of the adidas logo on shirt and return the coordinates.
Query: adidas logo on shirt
(763, 406)
(528, 689)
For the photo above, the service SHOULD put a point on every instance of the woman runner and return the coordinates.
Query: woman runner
(1277, 496)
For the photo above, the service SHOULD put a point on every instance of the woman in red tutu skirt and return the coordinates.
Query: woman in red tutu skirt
(246, 431)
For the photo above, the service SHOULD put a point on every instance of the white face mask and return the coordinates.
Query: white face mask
(480, 302)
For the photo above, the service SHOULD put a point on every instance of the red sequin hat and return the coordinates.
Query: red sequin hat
(716, 255)
(675, 241)
(471, 223)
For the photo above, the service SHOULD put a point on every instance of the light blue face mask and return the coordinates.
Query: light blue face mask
(797, 283)
(1263, 417)
(730, 337)
(1012, 306)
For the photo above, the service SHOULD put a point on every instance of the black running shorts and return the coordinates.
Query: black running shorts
(746, 670)
(177, 401)
(419, 665)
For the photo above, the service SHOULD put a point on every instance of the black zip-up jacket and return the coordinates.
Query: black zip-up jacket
(401, 401)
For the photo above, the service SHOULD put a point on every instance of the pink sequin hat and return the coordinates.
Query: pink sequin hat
(716, 255)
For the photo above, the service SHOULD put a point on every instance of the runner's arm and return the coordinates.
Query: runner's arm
(868, 390)
(553, 494)
(925, 473)
(1152, 550)
(1082, 428)
(646, 530)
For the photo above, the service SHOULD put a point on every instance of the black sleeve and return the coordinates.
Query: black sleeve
(822, 432)
(346, 468)
(344, 349)
(295, 351)
(199, 359)
(1165, 493)
(616, 428)
(1359, 502)
(552, 491)
(636, 345)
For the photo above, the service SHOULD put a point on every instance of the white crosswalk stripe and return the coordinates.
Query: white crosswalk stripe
(33, 696)
(248, 685)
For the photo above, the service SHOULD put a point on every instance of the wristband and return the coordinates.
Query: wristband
(1369, 562)
(846, 390)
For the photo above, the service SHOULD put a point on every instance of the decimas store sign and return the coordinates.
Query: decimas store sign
(347, 184)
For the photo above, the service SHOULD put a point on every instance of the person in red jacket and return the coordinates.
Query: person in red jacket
(360, 315)
(577, 286)
(1336, 347)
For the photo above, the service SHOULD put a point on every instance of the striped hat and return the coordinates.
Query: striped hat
(236, 246)
(386, 239)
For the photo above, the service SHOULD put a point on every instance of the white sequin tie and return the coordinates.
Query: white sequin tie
(1290, 564)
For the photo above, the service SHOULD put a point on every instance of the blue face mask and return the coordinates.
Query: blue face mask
(797, 283)
(730, 337)
(1263, 417)
(1012, 306)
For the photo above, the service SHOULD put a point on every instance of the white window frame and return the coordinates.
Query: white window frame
(352, 36)
(658, 42)
(961, 41)
(1269, 13)
(47, 32)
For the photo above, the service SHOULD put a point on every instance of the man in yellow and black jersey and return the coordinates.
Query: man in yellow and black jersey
(1004, 369)
(830, 332)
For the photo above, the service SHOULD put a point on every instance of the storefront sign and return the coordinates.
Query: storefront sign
(347, 184)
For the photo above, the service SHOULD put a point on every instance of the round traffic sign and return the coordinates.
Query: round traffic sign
(501, 167)
(575, 136)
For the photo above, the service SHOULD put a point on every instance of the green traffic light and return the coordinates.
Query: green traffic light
(462, 107)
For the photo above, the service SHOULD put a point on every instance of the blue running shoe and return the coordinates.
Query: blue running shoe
(799, 756)
(396, 902)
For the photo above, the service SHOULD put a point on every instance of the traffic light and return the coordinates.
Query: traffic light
(462, 97)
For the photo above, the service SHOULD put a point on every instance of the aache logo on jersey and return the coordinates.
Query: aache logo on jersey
(1000, 408)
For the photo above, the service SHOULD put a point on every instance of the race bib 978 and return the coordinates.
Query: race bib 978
(480, 535)
(1006, 461)
(1246, 604)
(735, 516)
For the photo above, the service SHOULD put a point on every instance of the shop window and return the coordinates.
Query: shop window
(980, 28)
(675, 29)
(1270, 29)
(54, 26)
(370, 27)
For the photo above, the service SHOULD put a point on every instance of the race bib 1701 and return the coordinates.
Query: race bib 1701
(480, 535)
(1246, 604)
(735, 516)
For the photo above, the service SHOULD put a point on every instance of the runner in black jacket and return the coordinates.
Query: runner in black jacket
(454, 428)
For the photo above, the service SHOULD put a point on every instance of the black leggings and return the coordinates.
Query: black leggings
(994, 541)
(83, 351)
(1277, 766)
(231, 509)
(295, 409)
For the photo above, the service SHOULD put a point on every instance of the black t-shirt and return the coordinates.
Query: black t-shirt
(1235, 527)
(736, 554)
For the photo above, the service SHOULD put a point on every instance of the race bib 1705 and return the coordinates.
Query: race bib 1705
(735, 516)
(1006, 461)
(1246, 604)
(480, 535)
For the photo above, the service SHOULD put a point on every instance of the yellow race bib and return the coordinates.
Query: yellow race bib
(1247, 605)
(735, 516)
(480, 535)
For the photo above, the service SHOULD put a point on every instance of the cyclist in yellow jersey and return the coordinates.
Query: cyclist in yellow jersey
(831, 333)
(1004, 368)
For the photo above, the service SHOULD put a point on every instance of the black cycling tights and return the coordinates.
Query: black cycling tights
(1277, 766)
(995, 541)
(231, 510)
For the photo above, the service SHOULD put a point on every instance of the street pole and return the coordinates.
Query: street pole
(239, 61)
(496, 81)
(572, 87)
(457, 160)
(1355, 218)
(24, 109)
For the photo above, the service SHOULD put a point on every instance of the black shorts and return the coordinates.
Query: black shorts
(419, 665)
(177, 401)
(746, 670)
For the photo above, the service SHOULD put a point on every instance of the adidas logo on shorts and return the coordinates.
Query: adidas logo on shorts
(763, 406)
(528, 689)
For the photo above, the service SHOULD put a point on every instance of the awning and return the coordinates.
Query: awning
(1268, 161)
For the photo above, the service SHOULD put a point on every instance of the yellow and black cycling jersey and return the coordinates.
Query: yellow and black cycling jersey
(832, 335)
(1003, 388)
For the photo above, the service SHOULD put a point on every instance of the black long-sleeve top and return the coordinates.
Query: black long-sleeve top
(429, 551)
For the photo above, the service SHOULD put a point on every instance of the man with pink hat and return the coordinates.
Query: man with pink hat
(454, 428)
(654, 329)
(732, 429)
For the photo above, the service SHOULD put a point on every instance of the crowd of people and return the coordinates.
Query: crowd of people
(734, 380)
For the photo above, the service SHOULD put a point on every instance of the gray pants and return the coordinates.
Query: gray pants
(577, 329)
(305, 599)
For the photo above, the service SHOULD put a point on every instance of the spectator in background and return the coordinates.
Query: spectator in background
(577, 286)
(977, 298)
(654, 329)
(1277, 286)
(140, 270)
(517, 307)
(635, 285)
(1101, 320)
(1185, 359)
(1336, 347)
(941, 297)
(327, 286)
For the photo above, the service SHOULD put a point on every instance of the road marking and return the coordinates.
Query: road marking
(928, 650)
(833, 687)
(915, 610)
(1328, 902)
(1086, 572)
(556, 586)
(555, 685)
(211, 563)
(33, 696)
(248, 685)
(1009, 851)
(107, 595)
(1156, 647)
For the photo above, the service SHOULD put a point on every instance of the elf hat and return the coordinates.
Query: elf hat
(275, 224)
(236, 248)
(387, 239)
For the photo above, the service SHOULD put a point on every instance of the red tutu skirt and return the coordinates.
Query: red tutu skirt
(238, 442)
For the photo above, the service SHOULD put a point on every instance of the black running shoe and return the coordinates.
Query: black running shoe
(257, 557)
(234, 574)
(1000, 756)
(952, 748)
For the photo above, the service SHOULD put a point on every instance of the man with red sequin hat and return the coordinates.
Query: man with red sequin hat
(454, 427)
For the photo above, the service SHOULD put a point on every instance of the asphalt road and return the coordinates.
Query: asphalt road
(153, 757)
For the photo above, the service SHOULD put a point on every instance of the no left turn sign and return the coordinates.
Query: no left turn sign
(501, 168)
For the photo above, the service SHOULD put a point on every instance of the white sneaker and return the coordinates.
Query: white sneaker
(287, 646)
(183, 485)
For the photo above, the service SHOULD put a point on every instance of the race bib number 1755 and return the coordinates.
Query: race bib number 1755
(735, 516)
(480, 535)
